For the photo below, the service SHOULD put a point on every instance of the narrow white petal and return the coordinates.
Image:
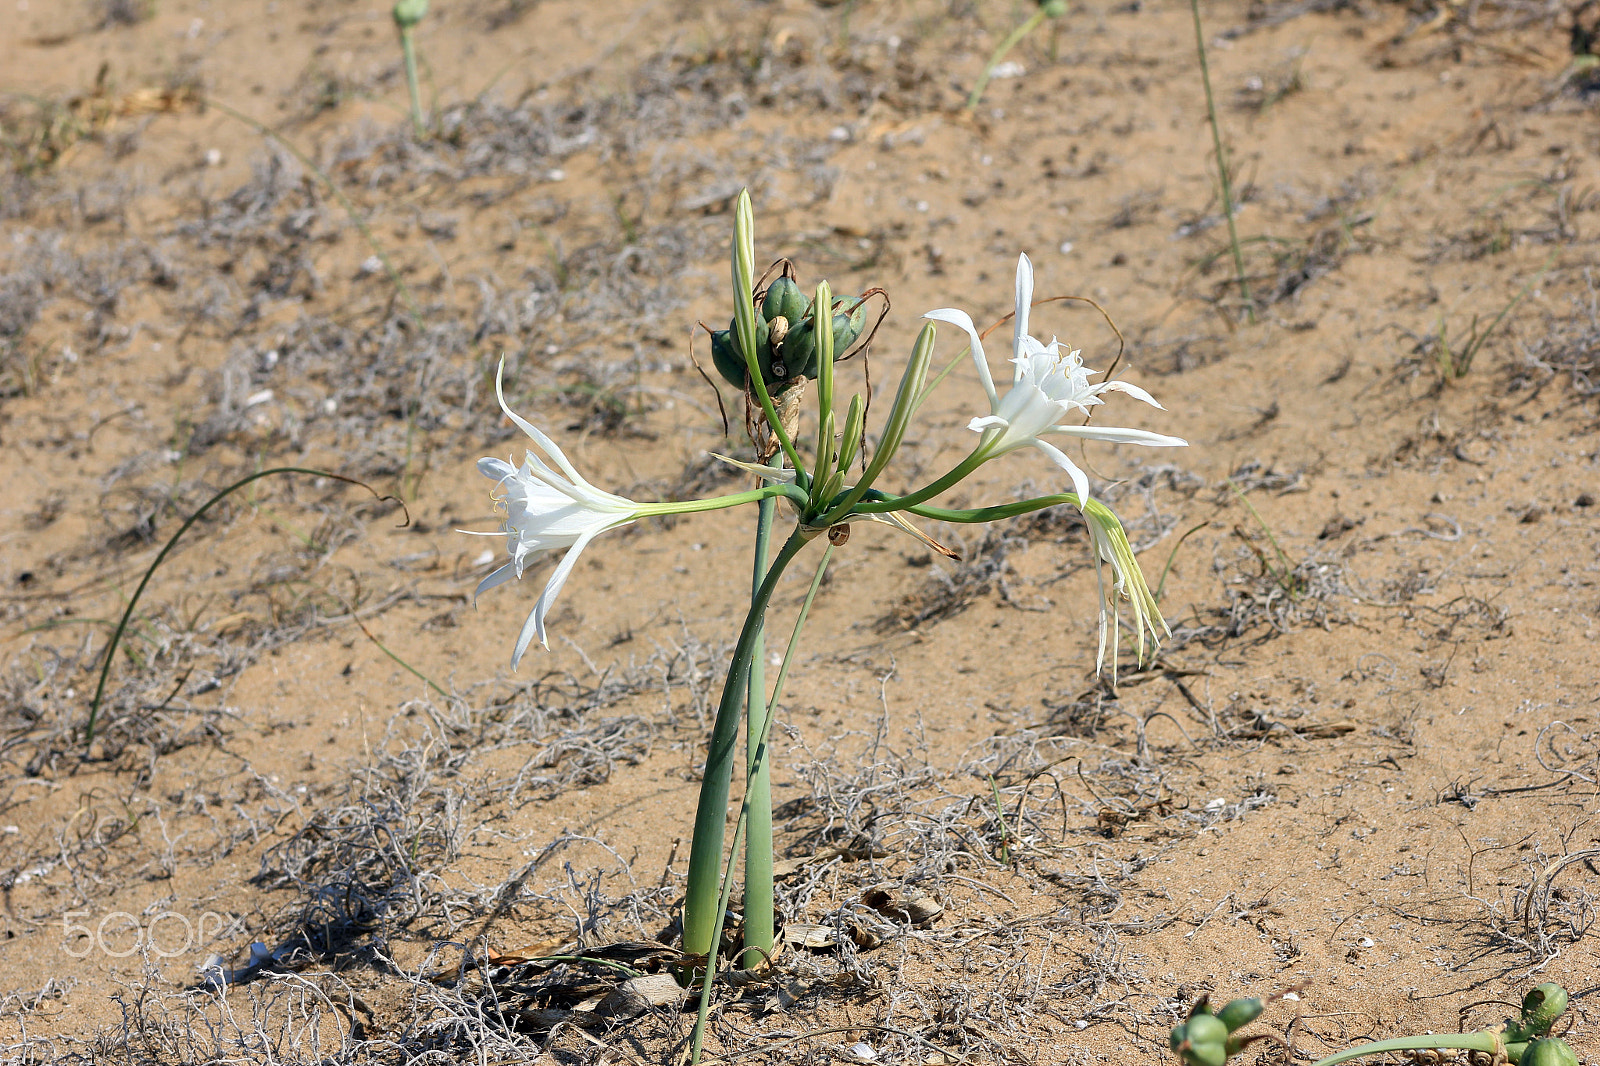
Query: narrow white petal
(499, 577)
(1132, 390)
(1080, 480)
(534, 626)
(498, 469)
(961, 319)
(1019, 324)
(545, 443)
(1120, 435)
(978, 425)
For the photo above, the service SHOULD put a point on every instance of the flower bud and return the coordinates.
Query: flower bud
(407, 13)
(850, 440)
(1240, 1012)
(1551, 1051)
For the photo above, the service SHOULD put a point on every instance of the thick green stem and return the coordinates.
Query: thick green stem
(700, 923)
(698, 1037)
(758, 917)
(1226, 179)
(409, 49)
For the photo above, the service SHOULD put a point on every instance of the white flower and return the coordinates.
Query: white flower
(1048, 384)
(546, 507)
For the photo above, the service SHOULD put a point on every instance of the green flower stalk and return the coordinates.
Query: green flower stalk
(407, 13)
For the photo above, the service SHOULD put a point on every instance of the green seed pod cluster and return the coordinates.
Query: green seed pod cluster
(786, 340)
(1202, 1040)
(1207, 1039)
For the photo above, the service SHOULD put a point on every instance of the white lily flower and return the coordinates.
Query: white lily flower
(1048, 384)
(548, 505)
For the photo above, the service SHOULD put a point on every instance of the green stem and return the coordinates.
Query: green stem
(1489, 1042)
(758, 917)
(133, 601)
(409, 48)
(796, 495)
(700, 925)
(1222, 164)
(1000, 53)
(912, 499)
(697, 1039)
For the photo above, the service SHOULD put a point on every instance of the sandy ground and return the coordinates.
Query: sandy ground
(1364, 766)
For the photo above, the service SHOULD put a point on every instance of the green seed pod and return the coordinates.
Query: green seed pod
(1179, 1034)
(800, 349)
(847, 325)
(1208, 1041)
(763, 352)
(725, 357)
(1541, 1007)
(1551, 1051)
(784, 297)
(1240, 1012)
(407, 13)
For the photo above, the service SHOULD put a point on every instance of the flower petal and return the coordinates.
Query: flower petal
(1080, 480)
(978, 425)
(1019, 324)
(1132, 390)
(499, 577)
(961, 319)
(545, 444)
(534, 626)
(498, 469)
(1120, 435)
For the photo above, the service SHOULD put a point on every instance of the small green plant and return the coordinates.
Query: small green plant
(1454, 358)
(1052, 9)
(1207, 1038)
(1224, 175)
(161, 556)
(407, 13)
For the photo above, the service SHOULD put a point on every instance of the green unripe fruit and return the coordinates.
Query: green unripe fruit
(1551, 1051)
(728, 357)
(1240, 1012)
(725, 357)
(407, 13)
(800, 349)
(1541, 1007)
(1208, 1040)
(846, 332)
(784, 297)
